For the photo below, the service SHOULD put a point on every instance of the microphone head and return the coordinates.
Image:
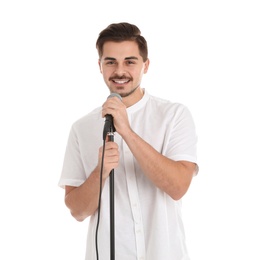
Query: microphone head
(115, 95)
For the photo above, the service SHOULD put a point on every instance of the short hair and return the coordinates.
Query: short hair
(118, 32)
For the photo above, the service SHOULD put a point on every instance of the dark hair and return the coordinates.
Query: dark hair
(118, 32)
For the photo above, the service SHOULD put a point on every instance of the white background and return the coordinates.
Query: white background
(204, 54)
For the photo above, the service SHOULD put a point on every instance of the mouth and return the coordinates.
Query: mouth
(120, 81)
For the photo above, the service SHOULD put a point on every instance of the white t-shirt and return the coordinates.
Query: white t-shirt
(148, 222)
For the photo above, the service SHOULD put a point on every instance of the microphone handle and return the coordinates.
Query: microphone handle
(109, 126)
(110, 136)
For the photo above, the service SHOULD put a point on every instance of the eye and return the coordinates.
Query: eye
(130, 62)
(110, 62)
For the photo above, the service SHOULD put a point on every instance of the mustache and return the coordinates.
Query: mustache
(116, 77)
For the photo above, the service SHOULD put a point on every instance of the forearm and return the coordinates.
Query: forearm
(170, 176)
(83, 200)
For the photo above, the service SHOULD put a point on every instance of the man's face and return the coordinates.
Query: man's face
(122, 67)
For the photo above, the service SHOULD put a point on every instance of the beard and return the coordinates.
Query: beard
(130, 92)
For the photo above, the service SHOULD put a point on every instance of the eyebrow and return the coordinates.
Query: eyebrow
(126, 58)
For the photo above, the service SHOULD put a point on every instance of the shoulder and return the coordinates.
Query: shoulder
(88, 121)
(166, 106)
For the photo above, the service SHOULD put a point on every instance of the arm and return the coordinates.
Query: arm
(83, 200)
(172, 177)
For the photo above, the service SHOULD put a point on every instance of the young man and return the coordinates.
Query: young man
(153, 155)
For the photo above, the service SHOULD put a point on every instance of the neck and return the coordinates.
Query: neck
(134, 97)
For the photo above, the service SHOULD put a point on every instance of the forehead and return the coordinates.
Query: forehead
(120, 50)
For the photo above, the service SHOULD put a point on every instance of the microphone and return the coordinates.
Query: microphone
(109, 124)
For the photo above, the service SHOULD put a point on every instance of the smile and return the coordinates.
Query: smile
(120, 81)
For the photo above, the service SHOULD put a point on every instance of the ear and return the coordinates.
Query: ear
(100, 67)
(146, 65)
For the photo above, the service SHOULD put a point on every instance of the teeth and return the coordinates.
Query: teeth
(120, 81)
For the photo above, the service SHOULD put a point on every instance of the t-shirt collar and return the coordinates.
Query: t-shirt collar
(141, 103)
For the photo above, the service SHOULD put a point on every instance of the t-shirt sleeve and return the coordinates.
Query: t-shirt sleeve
(183, 137)
(73, 173)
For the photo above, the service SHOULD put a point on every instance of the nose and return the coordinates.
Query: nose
(120, 70)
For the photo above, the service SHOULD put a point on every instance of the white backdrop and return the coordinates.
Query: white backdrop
(204, 54)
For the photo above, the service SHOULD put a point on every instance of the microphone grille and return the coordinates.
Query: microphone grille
(115, 95)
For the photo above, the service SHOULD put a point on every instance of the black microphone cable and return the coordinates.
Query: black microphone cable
(99, 199)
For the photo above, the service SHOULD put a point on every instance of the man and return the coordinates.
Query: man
(153, 156)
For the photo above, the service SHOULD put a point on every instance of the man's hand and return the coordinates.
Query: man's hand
(111, 158)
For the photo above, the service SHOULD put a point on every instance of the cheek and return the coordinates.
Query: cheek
(105, 75)
(107, 72)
